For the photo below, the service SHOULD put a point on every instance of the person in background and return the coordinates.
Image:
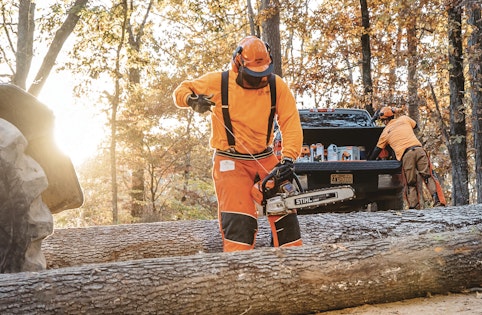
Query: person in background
(398, 133)
(244, 101)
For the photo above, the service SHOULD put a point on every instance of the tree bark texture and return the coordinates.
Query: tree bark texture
(412, 77)
(80, 246)
(475, 74)
(299, 280)
(270, 10)
(24, 219)
(25, 30)
(458, 129)
(36, 123)
(366, 58)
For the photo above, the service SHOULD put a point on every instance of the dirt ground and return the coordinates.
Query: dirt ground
(460, 304)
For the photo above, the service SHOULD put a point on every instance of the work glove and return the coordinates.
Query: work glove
(200, 103)
(284, 170)
(375, 153)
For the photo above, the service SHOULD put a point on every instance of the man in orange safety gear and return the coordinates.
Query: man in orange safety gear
(244, 102)
(399, 135)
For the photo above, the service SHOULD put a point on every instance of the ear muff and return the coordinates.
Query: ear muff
(268, 48)
(236, 62)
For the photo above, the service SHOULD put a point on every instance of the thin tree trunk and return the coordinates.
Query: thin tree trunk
(187, 161)
(458, 129)
(113, 122)
(366, 58)
(299, 280)
(137, 177)
(71, 247)
(25, 29)
(392, 76)
(59, 39)
(412, 80)
(475, 70)
(254, 29)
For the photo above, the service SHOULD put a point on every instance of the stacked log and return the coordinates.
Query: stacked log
(299, 280)
(99, 244)
(348, 260)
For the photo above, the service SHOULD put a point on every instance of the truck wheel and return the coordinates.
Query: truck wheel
(395, 203)
(24, 219)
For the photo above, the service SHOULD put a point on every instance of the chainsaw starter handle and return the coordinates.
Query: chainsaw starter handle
(276, 185)
(263, 186)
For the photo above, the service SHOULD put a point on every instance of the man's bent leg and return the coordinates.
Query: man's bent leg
(431, 181)
(285, 230)
(238, 230)
(410, 174)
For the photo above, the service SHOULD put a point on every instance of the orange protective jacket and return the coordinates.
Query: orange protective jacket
(398, 133)
(249, 110)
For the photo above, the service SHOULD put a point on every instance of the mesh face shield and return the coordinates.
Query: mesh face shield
(247, 81)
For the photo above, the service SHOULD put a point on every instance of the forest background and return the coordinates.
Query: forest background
(124, 58)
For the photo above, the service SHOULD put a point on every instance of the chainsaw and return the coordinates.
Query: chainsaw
(273, 196)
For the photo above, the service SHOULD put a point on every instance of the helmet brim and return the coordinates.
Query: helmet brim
(260, 71)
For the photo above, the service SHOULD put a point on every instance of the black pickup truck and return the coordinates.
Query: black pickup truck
(377, 183)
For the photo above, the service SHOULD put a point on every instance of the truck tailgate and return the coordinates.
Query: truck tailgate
(381, 167)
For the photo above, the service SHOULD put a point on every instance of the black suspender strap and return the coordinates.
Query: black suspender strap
(272, 89)
(225, 107)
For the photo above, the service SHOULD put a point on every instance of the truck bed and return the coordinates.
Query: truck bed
(361, 136)
(376, 182)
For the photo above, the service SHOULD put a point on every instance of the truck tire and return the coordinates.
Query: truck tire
(395, 203)
(24, 218)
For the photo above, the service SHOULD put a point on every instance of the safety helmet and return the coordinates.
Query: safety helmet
(386, 112)
(253, 55)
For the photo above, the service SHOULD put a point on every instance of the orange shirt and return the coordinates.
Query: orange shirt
(398, 133)
(249, 110)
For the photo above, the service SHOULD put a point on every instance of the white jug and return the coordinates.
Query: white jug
(332, 152)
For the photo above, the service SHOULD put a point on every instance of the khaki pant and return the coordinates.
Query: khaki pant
(414, 162)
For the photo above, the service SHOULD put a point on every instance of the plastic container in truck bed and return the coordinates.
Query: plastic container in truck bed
(353, 135)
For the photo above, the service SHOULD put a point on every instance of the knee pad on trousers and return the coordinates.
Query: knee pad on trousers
(287, 229)
(239, 227)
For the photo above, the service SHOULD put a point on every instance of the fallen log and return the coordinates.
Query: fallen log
(79, 246)
(300, 280)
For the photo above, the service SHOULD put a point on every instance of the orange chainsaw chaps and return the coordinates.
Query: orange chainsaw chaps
(285, 230)
(439, 190)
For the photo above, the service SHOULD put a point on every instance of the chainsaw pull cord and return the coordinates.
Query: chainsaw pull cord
(226, 121)
(242, 144)
(230, 134)
(297, 180)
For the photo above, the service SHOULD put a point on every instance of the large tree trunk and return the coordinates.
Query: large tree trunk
(475, 71)
(36, 121)
(79, 246)
(270, 9)
(24, 219)
(299, 280)
(458, 129)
